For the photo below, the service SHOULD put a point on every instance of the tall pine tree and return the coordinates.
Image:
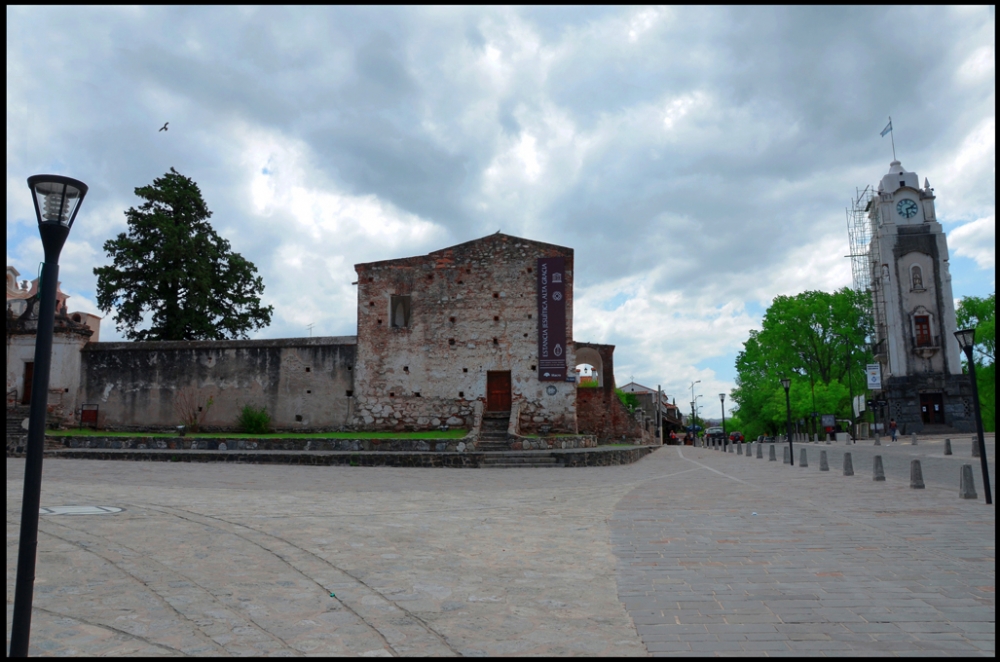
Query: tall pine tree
(172, 265)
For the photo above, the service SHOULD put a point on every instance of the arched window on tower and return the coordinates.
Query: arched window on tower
(916, 278)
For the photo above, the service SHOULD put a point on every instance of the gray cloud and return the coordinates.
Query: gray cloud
(698, 159)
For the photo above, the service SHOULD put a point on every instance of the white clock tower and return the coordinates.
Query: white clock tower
(914, 309)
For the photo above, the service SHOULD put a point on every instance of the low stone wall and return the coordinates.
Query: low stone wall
(189, 443)
(592, 457)
(553, 443)
(607, 457)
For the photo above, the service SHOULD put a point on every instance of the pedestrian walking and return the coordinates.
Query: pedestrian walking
(893, 428)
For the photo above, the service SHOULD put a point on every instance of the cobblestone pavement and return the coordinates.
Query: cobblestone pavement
(658, 556)
(742, 556)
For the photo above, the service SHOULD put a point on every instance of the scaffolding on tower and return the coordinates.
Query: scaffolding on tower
(864, 252)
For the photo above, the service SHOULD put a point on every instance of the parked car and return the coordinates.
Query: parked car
(713, 433)
(736, 437)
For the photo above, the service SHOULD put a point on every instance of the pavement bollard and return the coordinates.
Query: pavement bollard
(877, 442)
(913, 438)
(878, 473)
(771, 457)
(947, 446)
(848, 465)
(966, 488)
(823, 466)
(785, 456)
(731, 450)
(828, 442)
(803, 460)
(760, 451)
(975, 447)
(916, 475)
(739, 449)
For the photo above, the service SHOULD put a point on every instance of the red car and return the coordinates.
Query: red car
(736, 437)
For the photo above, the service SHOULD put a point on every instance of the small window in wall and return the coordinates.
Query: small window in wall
(916, 278)
(400, 306)
(922, 329)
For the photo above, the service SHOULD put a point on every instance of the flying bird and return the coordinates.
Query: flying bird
(164, 127)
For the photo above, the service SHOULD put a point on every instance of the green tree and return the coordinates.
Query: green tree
(981, 313)
(816, 339)
(172, 266)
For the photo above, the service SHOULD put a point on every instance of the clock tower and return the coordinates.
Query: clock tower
(922, 377)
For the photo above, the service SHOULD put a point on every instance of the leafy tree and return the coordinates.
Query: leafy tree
(172, 265)
(981, 313)
(816, 339)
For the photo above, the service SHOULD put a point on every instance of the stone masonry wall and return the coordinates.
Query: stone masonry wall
(603, 415)
(304, 383)
(473, 309)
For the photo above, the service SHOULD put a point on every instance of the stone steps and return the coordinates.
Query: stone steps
(492, 446)
(512, 461)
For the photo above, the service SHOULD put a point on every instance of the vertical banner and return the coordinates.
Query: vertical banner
(874, 371)
(551, 319)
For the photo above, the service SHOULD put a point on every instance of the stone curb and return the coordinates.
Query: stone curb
(469, 459)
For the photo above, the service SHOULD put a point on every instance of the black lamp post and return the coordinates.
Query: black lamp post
(788, 427)
(725, 439)
(57, 201)
(694, 439)
(967, 340)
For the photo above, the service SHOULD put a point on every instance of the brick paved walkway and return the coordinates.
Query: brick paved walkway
(828, 564)
(655, 557)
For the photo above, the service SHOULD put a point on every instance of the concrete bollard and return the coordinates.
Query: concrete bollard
(828, 440)
(823, 466)
(913, 438)
(947, 446)
(916, 475)
(966, 487)
(786, 456)
(877, 442)
(848, 465)
(731, 449)
(975, 447)
(760, 451)
(739, 449)
(878, 473)
(771, 457)
(803, 460)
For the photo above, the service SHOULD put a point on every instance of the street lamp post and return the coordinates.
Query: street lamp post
(788, 426)
(57, 200)
(693, 399)
(850, 381)
(967, 340)
(725, 439)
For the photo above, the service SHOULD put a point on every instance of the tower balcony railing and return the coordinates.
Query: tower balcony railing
(925, 345)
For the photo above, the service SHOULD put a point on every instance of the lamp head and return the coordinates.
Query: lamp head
(57, 198)
(786, 383)
(966, 339)
(722, 397)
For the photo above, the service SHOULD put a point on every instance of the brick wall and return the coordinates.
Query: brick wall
(604, 416)
(472, 309)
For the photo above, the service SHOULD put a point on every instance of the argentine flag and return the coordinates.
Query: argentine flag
(887, 129)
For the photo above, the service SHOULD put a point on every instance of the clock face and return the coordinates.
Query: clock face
(906, 208)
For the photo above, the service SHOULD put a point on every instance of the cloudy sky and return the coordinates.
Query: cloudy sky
(699, 160)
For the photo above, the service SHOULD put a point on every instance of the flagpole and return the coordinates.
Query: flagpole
(892, 139)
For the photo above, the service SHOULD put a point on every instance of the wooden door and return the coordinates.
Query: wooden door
(29, 373)
(931, 408)
(498, 390)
